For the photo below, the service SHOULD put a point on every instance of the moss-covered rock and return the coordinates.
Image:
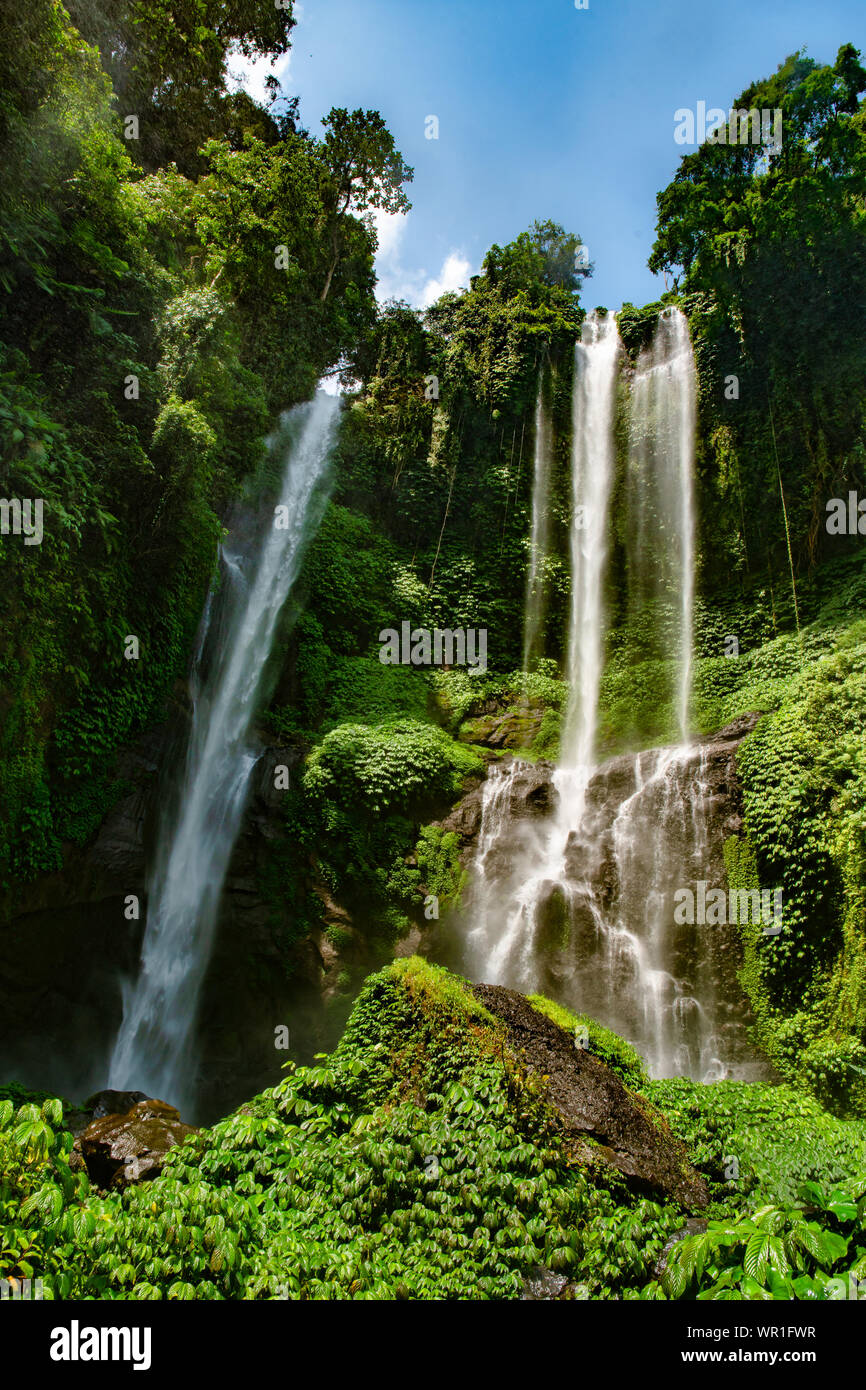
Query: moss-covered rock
(590, 1102)
(613, 1050)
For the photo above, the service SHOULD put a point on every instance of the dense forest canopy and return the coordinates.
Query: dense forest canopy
(165, 296)
(769, 247)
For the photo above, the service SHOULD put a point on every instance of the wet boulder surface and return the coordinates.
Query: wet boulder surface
(603, 1120)
(129, 1146)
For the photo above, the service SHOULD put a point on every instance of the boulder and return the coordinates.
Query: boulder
(532, 791)
(129, 1147)
(514, 728)
(464, 819)
(112, 1103)
(599, 1118)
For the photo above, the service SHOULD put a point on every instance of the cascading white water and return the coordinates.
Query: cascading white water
(592, 454)
(661, 472)
(594, 395)
(659, 981)
(152, 1051)
(573, 889)
(682, 366)
(540, 529)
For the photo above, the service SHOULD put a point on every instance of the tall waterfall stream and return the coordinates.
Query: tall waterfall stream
(578, 901)
(199, 830)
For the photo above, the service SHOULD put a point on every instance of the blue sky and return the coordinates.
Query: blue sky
(545, 111)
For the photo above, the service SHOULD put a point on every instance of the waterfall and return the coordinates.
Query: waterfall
(646, 835)
(540, 530)
(196, 838)
(500, 938)
(585, 912)
(592, 466)
(573, 884)
(661, 466)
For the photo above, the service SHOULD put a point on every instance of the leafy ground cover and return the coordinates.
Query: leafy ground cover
(420, 1161)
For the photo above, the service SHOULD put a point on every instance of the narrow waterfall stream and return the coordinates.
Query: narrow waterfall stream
(661, 467)
(196, 838)
(572, 891)
(597, 357)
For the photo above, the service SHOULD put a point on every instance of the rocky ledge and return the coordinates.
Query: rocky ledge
(533, 786)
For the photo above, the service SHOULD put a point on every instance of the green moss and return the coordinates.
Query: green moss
(363, 689)
(438, 857)
(417, 1027)
(554, 926)
(614, 1051)
(338, 936)
(546, 742)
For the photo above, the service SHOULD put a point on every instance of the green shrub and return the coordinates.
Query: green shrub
(775, 1138)
(775, 1253)
(396, 765)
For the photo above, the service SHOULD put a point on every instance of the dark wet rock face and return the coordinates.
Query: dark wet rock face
(589, 910)
(97, 1106)
(260, 976)
(544, 1286)
(592, 1103)
(531, 794)
(66, 940)
(113, 1102)
(130, 1146)
(465, 819)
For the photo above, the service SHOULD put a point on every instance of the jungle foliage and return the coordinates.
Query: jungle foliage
(419, 1161)
(148, 341)
(163, 295)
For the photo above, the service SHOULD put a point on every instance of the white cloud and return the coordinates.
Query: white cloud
(397, 281)
(250, 74)
(454, 275)
(390, 227)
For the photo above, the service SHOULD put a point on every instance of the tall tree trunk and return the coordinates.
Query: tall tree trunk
(334, 262)
(442, 532)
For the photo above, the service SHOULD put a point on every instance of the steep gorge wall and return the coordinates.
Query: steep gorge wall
(70, 944)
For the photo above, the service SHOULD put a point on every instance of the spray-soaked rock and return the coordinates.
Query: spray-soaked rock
(515, 728)
(584, 909)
